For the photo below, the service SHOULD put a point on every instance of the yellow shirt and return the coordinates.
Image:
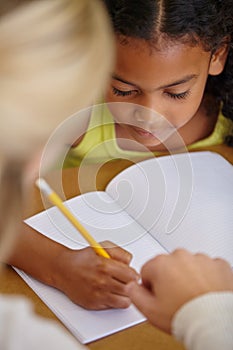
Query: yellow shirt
(99, 142)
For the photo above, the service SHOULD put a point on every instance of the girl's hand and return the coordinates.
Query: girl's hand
(95, 282)
(169, 281)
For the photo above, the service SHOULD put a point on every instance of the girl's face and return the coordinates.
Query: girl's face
(170, 81)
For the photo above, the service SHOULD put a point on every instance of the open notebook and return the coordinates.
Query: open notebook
(152, 207)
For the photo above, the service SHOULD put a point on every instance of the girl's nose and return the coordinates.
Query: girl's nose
(148, 109)
(146, 117)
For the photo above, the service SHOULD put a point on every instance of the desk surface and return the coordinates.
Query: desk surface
(142, 336)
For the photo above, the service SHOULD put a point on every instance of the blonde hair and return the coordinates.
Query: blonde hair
(53, 62)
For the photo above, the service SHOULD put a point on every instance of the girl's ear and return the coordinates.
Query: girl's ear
(218, 60)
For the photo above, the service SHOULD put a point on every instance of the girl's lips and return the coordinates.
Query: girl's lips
(143, 132)
(159, 133)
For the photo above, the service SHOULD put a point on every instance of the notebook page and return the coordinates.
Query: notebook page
(185, 200)
(97, 212)
(103, 219)
(207, 225)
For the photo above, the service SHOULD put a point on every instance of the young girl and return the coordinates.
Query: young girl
(175, 58)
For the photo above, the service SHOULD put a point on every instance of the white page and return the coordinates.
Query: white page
(97, 212)
(148, 188)
(184, 201)
(104, 220)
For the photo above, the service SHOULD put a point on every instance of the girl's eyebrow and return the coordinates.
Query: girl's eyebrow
(183, 80)
(117, 77)
(180, 81)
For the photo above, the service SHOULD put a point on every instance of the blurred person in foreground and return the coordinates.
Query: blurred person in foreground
(52, 65)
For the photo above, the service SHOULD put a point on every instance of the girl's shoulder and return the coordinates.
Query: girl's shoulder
(222, 133)
(92, 144)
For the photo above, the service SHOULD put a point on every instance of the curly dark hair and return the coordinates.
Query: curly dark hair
(209, 22)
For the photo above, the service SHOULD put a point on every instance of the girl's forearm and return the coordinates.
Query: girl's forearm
(37, 255)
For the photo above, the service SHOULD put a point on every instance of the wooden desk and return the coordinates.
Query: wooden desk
(139, 337)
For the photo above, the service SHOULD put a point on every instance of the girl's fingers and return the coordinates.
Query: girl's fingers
(117, 252)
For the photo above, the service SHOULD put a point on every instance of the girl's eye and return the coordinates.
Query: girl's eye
(120, 92)
(180, 96)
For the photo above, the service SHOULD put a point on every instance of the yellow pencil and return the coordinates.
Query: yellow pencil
(56, 200)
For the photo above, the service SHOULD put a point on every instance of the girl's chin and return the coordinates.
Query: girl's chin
(155, 146)
(149, 144)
